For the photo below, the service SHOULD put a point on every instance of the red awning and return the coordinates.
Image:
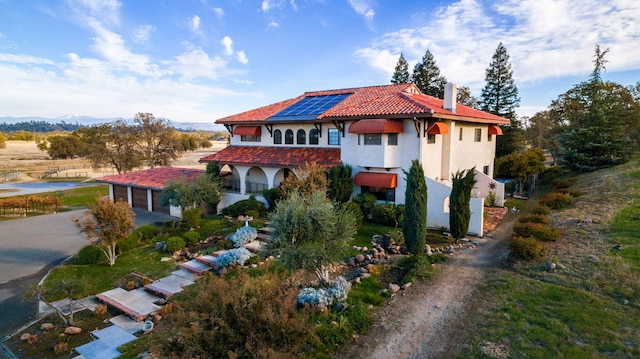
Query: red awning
(495, 130)
(248, 131)
(377, 126)
(376, 179)
(437, 128)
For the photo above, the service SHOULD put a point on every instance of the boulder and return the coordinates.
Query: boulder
(359, 258)
(550, 265)
(46, 326)
(72, 330)
(394, 287)
(351, 261)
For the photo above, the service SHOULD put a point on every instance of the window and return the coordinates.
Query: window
(313, 136)
(382, 194)
(288, 137)
(277, 137)
(392, 139)
(301, 137)
(245, 138)
(485, 170)
(478, 135)
(334, 136)
(489, 136)
(460, 135)
(372, 139)
(431, 138)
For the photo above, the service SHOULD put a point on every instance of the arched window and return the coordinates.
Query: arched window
(313, 137)
(288, 137)
(277, 137)
(301, 137)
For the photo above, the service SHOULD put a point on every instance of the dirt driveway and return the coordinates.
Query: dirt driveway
(425, 321)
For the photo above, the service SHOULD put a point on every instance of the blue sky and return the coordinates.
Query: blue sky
(199, 60)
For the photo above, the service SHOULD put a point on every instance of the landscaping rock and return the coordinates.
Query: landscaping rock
(550, 265)
(406, 286)
(26, 337)
(340, 307)
(351, 261)
(394, 287)
(366, 275)
(560, 266)
(72, 330)
(359, 258)
(46, 326)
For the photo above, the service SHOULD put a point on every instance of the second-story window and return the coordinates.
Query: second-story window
(333, 136)
(313, 136)
(288, 137)
(277, 137)
(478, 133)
(301, 137)
(489, 138)
(372, 139)
(245, 138)
(392, 139)
(431, 138)
(460, 135)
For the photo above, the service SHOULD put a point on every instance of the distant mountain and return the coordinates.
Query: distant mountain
(91, 121)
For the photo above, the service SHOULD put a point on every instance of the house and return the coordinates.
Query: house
(378, 130)
(143, 189)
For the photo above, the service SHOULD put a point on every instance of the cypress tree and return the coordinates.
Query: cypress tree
(340, 183)
(401, 72)
(459, 210)
(414, 223)
(426, 75)
(500, 97)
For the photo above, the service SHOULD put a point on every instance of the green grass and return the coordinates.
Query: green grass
(541, 320)
(93, 279)
(368, 230)
(625, 227)
(81, 196)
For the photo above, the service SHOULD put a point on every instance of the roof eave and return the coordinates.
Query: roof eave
(444, 116)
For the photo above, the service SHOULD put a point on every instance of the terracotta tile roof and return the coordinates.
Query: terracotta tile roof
(276, 156)
(155, 178)
(386, 101)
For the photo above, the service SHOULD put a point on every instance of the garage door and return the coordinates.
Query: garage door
(120, 193)
(139, 198)
(156, 195)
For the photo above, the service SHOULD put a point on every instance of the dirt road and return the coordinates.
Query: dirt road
(425, 321)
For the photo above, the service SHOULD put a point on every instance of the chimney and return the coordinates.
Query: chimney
(450, 94)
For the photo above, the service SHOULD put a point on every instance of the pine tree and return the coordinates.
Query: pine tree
(426, 75)
(500, 97)
(401, 73)
(414, 223)
(459, 210)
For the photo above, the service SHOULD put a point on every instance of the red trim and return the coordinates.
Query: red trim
(247, 131)
(376, 179)
(377, 126)
(495, 130)
(437, 128)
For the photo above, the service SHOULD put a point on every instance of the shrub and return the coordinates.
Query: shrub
(175, 244)
(366, 202)
(321, 298)
(241, 208)
(534, 218)
(243, 235)
(90, 254)
(491, 199)
(272, 196)
(556, 200)
(146, 232)
(191, 238)
(537, 230)
(527, 248)
(563, 182)
(387, 214)
(192, 217)
(233, 256)
(542, 210)
(100, 310)
(61, 348)
(414, 268)
(357, 212)
(129, 243)
(575, 193)
(367, 292)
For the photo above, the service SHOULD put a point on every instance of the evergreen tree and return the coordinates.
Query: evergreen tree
(459, 210)
(465, 97)
(601, 122)
(414, 223)
(426, 75)
(500, 97)
(401, 73)
(340, 183)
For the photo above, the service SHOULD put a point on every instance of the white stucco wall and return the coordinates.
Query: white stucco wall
(467, 153)
(482, 188)
(438, 208)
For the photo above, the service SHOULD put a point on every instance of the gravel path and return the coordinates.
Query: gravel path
(425, 321)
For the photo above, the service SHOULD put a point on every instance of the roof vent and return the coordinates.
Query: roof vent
(450, 94)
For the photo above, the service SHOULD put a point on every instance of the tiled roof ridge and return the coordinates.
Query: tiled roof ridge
(354, 90)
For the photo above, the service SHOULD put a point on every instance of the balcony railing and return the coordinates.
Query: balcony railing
(233, 186)
(255, 187)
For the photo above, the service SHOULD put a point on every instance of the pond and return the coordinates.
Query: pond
(16, 189)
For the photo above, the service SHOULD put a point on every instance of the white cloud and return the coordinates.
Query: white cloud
(24, 59)
(105, 10)
(544, 38)
(242, 57)
(364, 8)
(269, 5)
(273, 25)
(142, 34)
(227, 43)
(194, 24)
(266, 5)
(196, 63)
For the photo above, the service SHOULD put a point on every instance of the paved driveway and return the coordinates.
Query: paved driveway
(29, 247)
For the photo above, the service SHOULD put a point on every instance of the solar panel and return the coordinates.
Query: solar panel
(309, 107)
